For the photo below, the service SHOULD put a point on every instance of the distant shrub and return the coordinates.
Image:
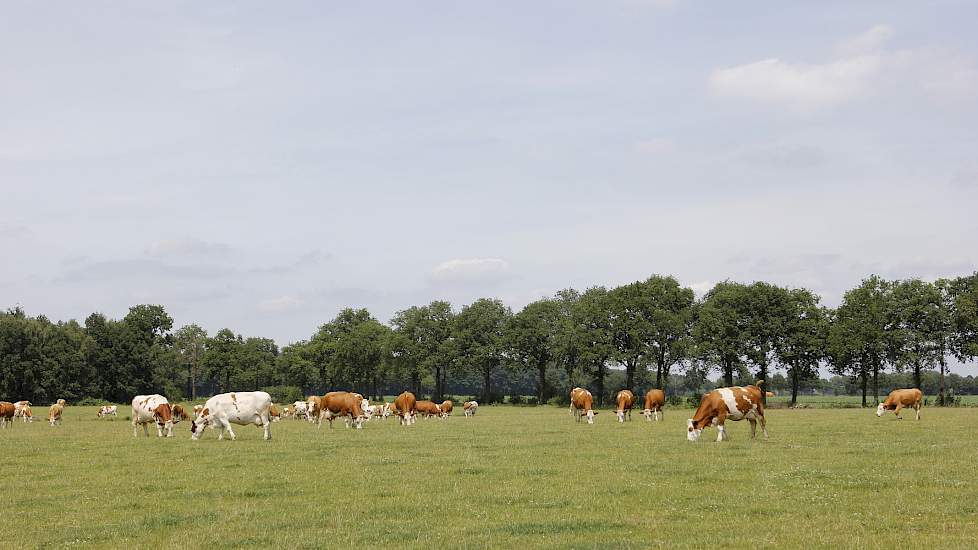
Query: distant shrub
(557, 401)
(675, 400)
(284, 394)
(532, 401)
(89, 402)
(694, 400)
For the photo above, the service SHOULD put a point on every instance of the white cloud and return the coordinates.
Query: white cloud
(471, 270)
(701, 287)
(658, 145)
(862, 67)
(187, 247)
(280, 304)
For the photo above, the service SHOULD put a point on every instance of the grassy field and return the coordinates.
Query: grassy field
(510, 477)
(836, 401)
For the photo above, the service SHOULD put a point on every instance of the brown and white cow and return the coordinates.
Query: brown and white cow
(342, 403)
(624, 401)
(7, 411)
(62, 402)
(404, 407)
(197, 410)
(179, 413)
(150, 409)
(107, 410)
(427, 409)
(274, 414)
(314, 409)
(898, 399)
(446, 408)
(469, 408)
(22, 409)
(722, 404)
(54, 414)
(654, 401)
(582, 405)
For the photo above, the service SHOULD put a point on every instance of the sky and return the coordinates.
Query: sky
(260, 166)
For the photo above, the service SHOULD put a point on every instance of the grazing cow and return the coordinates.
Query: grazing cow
(341, 403)
(197, 409)
(54, 414)
(148, 409)
(427, 408)
(107, 410)
(179, 413)
(654, 400)
(22, 409)
(7, 411)
(446, 408)
(582, 405)
(314, 409)
(625, 400)
(722, 404)
(274, 414)
(242, 408)
(469, 408)
(898, 399)
(300, 408)
(573, 392)
(404, 407)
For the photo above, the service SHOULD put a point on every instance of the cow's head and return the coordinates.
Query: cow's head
(692, 432)
(621, 415)
(880, 409)
(202, 421)
(590, 416)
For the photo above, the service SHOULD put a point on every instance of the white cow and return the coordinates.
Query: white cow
(22, 409)
(152, 408)
(470, 407)
(300, 408)
(107, 410)
(242, 408)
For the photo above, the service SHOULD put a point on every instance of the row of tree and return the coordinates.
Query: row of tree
(636, 336)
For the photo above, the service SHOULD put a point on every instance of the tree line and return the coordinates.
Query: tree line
(650, 333)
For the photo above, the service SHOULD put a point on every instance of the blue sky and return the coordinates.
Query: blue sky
(261, 166)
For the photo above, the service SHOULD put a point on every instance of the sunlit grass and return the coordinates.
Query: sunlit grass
(510, 477)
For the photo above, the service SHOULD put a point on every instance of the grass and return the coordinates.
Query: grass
(510, 477)
(854, 401)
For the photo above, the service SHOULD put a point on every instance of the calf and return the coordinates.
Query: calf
(22, 409)
(469, 408)
(107, 410)
(654, 400)
(720, 405)
(7, 411)
(404, 407)
(54, 414)
(242, 408)
(446, 408)
(582, 405)
(898, 399)
(625, 400)
(152, 409)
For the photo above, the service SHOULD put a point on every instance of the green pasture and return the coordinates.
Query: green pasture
(512, 477)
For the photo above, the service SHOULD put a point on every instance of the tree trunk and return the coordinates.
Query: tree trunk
(486, 384)
(864, 375)
(658, 376)
(630, 375)
(794, 386)
(542, 383)
(876, 383)
(728, 374)
(942, 395)
(665, 378)
(916, 374)
(599, 383)
(438, 388)
(762, 375)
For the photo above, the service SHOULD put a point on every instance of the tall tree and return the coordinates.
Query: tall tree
(721, 331)
(916, 320)
(190, 342)
(221, 358)
(593, 323)
(531, 337)
(479, 334)
(859, 339)
(805, 338)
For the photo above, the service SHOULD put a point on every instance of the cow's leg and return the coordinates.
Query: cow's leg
(660, 415)
(146, 429)
(753, 427)
(227, 426)
(899, 407)
(268, 428)
(760, 416)
(918, 410)
(135, 433)
(721, 433)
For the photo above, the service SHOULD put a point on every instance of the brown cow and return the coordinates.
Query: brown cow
(582, 405)
(722, 404)
(179, 413)
(427, 408)
(404, 407)
(62, 402)
(446, 408)
(654, 401)
(343, 403)
(314, 409)
(7, 411)
(469, 408)
(898, 399)
(625, 400)
(54, 414)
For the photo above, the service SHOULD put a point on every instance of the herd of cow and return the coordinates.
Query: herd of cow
(256, 408)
